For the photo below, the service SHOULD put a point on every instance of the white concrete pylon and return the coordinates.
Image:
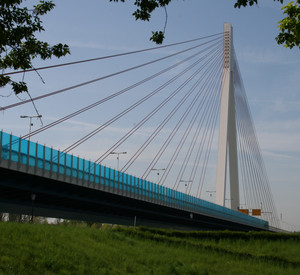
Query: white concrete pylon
(227, 130)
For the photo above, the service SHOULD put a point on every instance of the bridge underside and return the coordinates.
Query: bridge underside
(68, 201)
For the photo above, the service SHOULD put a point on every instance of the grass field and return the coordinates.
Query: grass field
(58, 249)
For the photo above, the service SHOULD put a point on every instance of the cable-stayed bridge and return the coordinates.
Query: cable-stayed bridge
(175, 111)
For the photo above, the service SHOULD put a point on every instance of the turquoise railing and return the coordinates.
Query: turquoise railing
(32, 154)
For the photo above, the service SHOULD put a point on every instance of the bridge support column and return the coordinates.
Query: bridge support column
(227, 130)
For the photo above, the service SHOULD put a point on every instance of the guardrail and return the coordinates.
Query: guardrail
(50, 163)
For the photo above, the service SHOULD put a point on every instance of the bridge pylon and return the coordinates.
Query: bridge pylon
(227, 144)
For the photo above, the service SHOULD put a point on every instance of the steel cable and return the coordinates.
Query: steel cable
(206, 114)
(101, 78)
(111, 96)
(136, 127)
(147, 142)
(95, 131)
(172, 134)
(110, 56)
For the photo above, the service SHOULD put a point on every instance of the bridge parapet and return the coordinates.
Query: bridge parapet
(32, 158)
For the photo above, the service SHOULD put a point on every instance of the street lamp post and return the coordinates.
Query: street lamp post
(118, 157)
(33, 196)
(158, 170)
(230, 200)
(30, 122)
(210, 192)
(243, 205)
(186, 184)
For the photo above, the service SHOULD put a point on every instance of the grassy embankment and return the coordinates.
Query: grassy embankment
(57, 249)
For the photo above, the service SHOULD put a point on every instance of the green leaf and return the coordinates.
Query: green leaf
(290, 26)
(157, 37)
(18, 42)
(19, 87)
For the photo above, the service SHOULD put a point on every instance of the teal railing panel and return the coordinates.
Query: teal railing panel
(32, 154)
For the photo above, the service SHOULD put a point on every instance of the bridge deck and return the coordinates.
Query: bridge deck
(32, 159)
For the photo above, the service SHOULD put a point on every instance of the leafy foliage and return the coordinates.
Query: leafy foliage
(290, 26)
(244, 3)
(18, 42)
(143, 12)
(157, 37)
(146, 7)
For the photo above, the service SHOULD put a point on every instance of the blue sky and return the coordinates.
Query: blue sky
(94, 28)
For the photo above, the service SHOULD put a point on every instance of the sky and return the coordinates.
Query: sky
(271, 76)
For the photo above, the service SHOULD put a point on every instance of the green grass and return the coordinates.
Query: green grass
(282, 247)
(57, 249)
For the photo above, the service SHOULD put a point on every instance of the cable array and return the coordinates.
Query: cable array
(145, 119)
(252, 172)
(102, 77)
(167, 118)
(133, 106)
(204, 108)
(110, 56)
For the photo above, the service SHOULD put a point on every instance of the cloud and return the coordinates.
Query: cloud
(93, 45)
(281, 156)
(266, 56)
(279, 138)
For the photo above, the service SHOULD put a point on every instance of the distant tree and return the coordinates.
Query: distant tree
(3, 217)
(289, 26)
(14, 217)
(18, 43)
(40, 220)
